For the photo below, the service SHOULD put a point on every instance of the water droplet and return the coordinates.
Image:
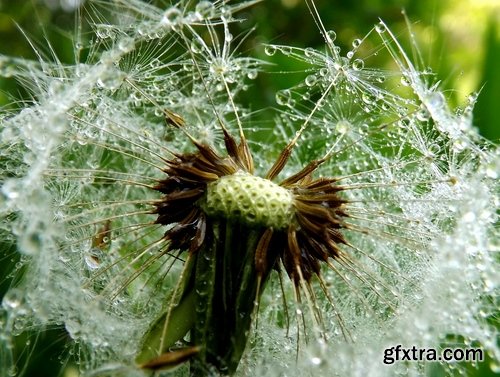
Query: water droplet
(252, 74)
(343, 126)
(205, 9)
(311, 80)
(11, 189)
(270, 50)
(316, 360)
(323, 72)
(283, 97)
(171, 17)
(356, 43)
(126, 44)
(103, 31)
(286, 50)
(434, 148)
(428, 71)
(309, 51)
(380, 28)
(405, 81)
(469, 217)
(368, 99)
(226, 13)
(423, 115)
(110, 80)
(12, 299)
(492, 170)
(330, 36)
(196, 46)
(460, 144)
(358, 64)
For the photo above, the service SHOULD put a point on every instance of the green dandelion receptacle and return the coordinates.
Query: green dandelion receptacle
(249, 199)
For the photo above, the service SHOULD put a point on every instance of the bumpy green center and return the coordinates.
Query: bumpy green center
(250, 199)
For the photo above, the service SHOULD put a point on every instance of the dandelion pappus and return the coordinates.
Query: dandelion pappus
(233, 229)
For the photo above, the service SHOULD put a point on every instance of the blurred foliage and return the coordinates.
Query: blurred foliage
(451, 35)
(452, 48)
(467, 61)
(486, 110)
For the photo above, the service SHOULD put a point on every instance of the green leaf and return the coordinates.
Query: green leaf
(175, 322)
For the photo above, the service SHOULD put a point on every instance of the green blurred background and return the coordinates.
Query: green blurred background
(459, 40)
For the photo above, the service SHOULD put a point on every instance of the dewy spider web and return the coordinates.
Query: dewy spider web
(142, 239)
